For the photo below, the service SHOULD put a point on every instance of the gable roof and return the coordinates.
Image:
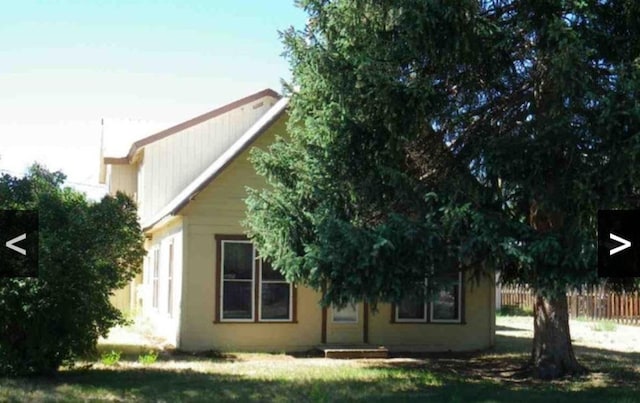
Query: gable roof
(189, 123)
(213, 170)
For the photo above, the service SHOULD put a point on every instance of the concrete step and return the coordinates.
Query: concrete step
(353, 351)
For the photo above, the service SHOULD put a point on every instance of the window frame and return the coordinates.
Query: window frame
(155, 279)
(256, 286)
(425, 311)
(170, 279)
(222, 281)
(458, 303)
(343, 322)
(428, 310)
(259, 285)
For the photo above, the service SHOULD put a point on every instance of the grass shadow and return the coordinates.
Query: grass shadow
(149, 384)
(507, 364)
(492, 375)
(131, 353)
(514, 310)
(508, 328)
(434, 380)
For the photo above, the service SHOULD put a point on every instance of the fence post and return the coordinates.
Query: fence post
(595, 303)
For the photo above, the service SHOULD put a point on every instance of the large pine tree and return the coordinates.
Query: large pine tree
(432, 136)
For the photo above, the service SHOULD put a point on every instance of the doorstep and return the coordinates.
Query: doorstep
(346, 351)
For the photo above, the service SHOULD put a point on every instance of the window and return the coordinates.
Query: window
(348, 314)
(445, 308)
(250, 289)
(237, 280)
(170, 281)
(410, 310)
(275, 294)
(155, 283)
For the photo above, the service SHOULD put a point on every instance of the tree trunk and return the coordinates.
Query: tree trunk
(552, 354)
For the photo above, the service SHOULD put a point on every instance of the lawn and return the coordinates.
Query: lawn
(492, 376)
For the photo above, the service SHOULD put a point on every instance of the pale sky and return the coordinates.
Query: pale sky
(142, 66)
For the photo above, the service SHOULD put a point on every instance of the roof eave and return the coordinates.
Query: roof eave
(138, 145)
(218, 166)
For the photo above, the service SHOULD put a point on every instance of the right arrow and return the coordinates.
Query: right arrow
(624, 242)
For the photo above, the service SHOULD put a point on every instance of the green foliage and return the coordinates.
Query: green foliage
(604, 326)
(87, 249)
(148, 358)
(111, 358)
(599, 325)
(430, 137)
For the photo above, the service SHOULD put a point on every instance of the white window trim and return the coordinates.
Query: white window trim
(420, 320)
(222, 281)
(171, 275)
(260, 282)
(290, 318)
(406, 320)
(429, 318)
(459, 301)
(256, 281)
(155, 261)
(344, 322)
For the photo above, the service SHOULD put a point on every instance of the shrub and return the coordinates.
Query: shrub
(86, 250)
(110, 358)
(148, 358)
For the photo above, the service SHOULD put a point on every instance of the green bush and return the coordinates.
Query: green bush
(148, 358)
(110, 358)
(86, 250)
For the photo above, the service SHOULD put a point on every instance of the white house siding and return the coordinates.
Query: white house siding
(164, 324)
(124, 178)
(219, 209)
(170, 164)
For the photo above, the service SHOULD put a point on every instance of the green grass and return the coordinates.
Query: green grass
(604, 326)
(492, 376)
(601, 325)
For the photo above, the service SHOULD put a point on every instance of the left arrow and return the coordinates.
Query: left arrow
(10, 244)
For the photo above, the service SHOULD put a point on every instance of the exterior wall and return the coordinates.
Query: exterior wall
(165, 167)
(170, 164)
(219, 209)
(124, 178)
(476, 332)
(164, 325)
(346, 333)
(121, 299)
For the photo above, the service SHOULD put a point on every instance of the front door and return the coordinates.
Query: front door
(345, 326)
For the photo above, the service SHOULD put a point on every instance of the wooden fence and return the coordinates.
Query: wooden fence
(595, 303)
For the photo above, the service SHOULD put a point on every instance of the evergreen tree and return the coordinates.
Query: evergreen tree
(428, 137)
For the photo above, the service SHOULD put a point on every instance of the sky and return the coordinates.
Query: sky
(138, 66)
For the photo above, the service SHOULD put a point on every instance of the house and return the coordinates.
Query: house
(202, 285)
